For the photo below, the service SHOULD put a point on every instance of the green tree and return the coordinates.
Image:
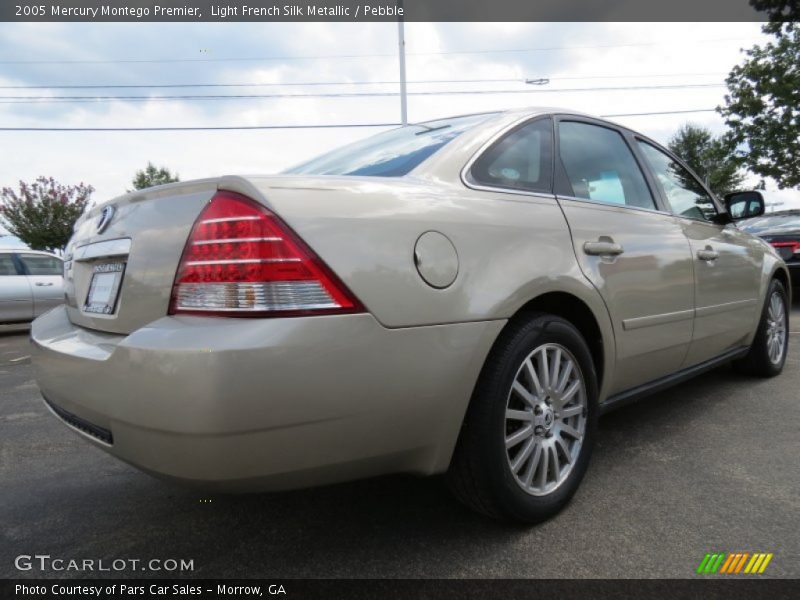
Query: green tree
(43, 213)
(778, 12)
(709, 156)
(153, 175)
(762, 106)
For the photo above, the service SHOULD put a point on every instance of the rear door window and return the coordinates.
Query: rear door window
(520, 160)
(7, 266)
(601, 167)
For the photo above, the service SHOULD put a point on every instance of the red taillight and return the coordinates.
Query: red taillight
(794, 247)
(241, 260)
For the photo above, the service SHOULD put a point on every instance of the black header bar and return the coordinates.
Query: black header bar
(378, 10)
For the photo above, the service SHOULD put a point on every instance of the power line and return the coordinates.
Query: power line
(68, 99)
(263, 127)
(221, 128)
(245, 85)
(341, 83)
(347, 56)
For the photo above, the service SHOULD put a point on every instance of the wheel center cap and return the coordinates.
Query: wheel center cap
(546, 418)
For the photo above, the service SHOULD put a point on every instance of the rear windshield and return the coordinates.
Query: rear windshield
(788, 222)
(392, 153)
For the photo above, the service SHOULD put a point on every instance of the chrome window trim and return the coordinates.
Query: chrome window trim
(611, 205)
(696, 220)
(511, 191)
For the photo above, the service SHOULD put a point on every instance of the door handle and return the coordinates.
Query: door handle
(707, 254)
(43, 284)
(604, 247)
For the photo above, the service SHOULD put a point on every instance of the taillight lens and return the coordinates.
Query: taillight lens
(787, 249)
(241, 260)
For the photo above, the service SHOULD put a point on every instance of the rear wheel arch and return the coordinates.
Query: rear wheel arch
(570, 308)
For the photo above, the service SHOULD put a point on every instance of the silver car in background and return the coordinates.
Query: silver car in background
(31, 283)
(461, 296)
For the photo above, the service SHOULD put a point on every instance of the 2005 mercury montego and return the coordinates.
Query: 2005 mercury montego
(464, 295)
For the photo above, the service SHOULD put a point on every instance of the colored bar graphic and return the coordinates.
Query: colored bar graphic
(752, 562)
(718, 563)
(765, 563)
(729, 563)
(741, 562)
(703, 564)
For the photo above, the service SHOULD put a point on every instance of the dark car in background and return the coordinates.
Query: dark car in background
(782, 230)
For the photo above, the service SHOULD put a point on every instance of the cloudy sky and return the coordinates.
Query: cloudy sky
(343, 57)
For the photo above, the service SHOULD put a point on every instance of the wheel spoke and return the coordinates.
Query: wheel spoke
(543, 469)
(571, 431)
(556, 462)
(570, 392)
(532, 464)
(518, 436)
(518, 415)
(523, 455)
(523, 393)
(534, 377)
(572, 411)
(555, 367)
(562, 444)
(544, 367)
(562, 382)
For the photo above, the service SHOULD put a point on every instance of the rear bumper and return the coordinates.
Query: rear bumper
(251, 404)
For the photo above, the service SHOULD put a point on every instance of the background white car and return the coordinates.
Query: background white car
(31, 283)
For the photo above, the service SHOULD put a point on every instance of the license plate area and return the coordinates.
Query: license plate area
(104, 288)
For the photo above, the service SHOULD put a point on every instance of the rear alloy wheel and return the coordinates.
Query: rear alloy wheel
(545, 419)
(767, 353)
(527, 436)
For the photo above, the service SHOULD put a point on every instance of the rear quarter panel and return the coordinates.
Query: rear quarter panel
(511, 248)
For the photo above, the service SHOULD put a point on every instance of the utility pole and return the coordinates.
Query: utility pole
(401, 42)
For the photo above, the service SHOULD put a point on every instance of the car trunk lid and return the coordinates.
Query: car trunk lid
(142, 239)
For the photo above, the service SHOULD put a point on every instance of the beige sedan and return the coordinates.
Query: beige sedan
(461, 296)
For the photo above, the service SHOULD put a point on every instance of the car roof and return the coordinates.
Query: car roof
(28, 251)
(531, 111)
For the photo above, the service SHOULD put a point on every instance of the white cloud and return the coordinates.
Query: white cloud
(695, 53)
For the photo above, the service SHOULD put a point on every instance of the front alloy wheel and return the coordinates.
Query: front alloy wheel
(767, 354)
(776, 328)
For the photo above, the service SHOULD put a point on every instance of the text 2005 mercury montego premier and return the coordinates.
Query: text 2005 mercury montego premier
(462, 296)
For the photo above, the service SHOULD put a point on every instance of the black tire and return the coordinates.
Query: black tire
(757, 362)
(480, 474)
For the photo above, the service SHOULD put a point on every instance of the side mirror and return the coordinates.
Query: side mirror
(744, 205)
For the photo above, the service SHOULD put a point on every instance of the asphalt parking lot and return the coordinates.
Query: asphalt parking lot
(711, 465)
